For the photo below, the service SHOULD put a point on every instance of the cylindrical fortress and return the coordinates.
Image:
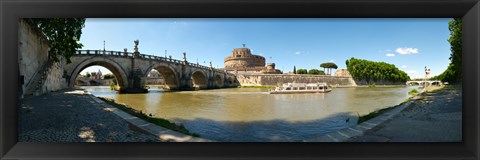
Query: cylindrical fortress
(243, 57)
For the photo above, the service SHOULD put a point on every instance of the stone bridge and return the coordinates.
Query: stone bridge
(422, 83)
(131, 70)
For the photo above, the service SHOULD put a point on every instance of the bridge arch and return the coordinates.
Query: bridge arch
(199, 80)
(169, 74)
(230, 81)
(413, 83)
(218, 80)
(116, 69)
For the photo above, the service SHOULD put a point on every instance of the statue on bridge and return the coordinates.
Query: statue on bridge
(184, 56)
(136, 45)
(125, 53)
(135, 49)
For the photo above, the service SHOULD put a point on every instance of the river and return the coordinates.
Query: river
(250, 114)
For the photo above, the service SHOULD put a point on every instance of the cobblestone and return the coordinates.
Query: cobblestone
(435, 117)
(73, 117)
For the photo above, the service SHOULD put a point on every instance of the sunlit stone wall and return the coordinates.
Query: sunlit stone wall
(276, 79)
(33, 50)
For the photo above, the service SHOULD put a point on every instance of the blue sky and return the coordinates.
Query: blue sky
(409, 44)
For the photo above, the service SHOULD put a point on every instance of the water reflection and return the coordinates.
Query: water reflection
(249, 114)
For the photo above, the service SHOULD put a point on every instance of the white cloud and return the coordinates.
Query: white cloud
(331, 60)
(407, 50)
(404, 66)
(390, 54)
(298, 52)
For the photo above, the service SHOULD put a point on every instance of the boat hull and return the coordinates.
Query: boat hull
(300, 91)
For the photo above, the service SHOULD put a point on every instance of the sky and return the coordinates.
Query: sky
(408, 43)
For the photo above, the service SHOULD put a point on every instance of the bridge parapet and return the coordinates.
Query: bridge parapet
(143, 56)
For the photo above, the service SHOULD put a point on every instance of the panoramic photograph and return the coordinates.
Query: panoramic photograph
(240, 80)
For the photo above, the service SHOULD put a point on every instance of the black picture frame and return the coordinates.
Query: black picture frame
(11, 11)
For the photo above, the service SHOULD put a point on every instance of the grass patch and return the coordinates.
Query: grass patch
(372, 85)
(373, 114)
(413, 92)
(256, 86)
(379, 112)
(158, 121)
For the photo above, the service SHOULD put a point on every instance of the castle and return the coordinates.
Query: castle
(243, 61)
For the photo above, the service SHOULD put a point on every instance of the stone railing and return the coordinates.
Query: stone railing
(143, 56)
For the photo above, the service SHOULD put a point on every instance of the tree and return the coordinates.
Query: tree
(316, 72)
(88, 74)
(108, 76)
(375, 71)
(294, 70)
(63, 35)
(453, 73)
(302, 71)
(329, 66)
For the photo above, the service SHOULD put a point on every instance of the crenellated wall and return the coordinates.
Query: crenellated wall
(279, 79)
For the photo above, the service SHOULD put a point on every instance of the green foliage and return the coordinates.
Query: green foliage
(63, 34)
(301, 71)
(375, 71)
(453, 74)
(294, 70)
(329, 66)
(88, 74)
(112, 86)
(373, 114)
(108, 76)
(316, 72)
(413, 92)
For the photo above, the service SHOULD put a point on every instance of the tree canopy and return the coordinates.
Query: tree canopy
(108, 76)
(375, 71)
(63, 34)
(329, 66)
(453, 73)
(301, 71)
(316, 72)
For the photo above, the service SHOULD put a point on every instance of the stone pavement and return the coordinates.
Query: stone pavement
(434, 117)
(72, 116)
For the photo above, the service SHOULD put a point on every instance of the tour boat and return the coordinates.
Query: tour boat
(301, 88)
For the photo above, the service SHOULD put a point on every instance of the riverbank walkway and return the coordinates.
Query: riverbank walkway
(434, 117)
(72, 116)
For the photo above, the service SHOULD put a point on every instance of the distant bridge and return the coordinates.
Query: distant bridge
(131, 70)
(421, 83)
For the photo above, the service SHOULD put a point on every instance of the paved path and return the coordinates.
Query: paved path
(73, 117)
(434, 117)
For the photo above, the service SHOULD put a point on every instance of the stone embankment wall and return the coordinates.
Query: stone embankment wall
(32, 54)
(279, 79)
(55, 79)
(33, 63)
